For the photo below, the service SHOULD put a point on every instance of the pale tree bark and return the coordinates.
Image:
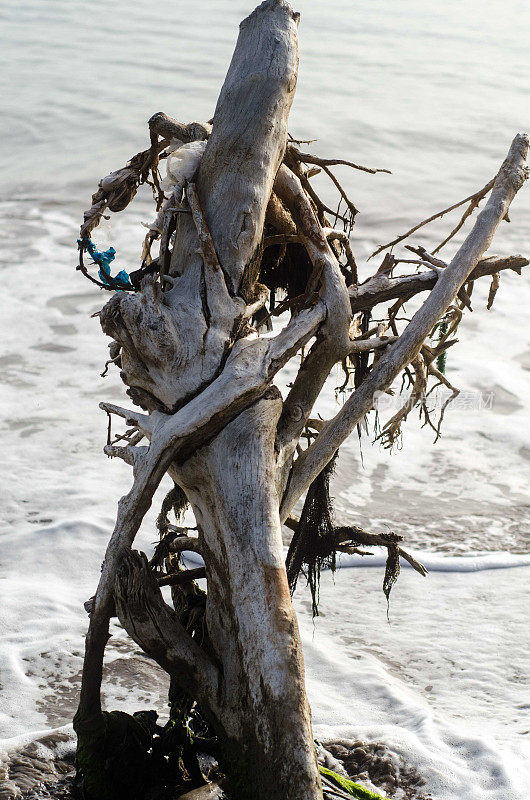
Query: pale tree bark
(213, 420)
(232, 487)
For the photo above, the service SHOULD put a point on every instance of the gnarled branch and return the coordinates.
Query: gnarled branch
(382, 289)
(509, 180)
(333, 341)
(156, 628)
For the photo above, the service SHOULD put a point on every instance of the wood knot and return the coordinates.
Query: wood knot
(296, 413)
(272, 393)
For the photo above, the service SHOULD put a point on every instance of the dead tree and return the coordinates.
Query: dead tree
(246, 225)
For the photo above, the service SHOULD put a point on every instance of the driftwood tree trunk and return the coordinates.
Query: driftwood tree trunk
(231, 484)
(215, 422)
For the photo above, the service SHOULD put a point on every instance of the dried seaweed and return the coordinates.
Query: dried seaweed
(313, 545)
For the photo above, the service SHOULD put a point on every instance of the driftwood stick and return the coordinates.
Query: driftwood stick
(251, 117)
(131, 511)
(467, 213)
(382, 289)
(509, 180)
(333, 342)
(181, 578)
(308, 158)
(131, 454)
(294, 165)
(425, 256)
(495, 283)
(168, 128)
(185, 543)
(353, 210)
(325, 265)
(333, 235)
(375, 343)
(176, 540)
(476, 196)
(134, 419)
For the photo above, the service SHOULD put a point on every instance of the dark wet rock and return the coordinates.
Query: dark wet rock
(44, 769)
(374, 763)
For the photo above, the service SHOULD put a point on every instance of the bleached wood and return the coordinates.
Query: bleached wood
(509, 180)
(183, 360)
(250, 618)
(333, 342)
(374, 343)
(382, 289)
(249, 134)
(143, 422)
(185, 543)
(216, 423)
(157, 629)
(168, 128)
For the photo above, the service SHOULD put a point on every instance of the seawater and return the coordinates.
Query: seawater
(432, 92)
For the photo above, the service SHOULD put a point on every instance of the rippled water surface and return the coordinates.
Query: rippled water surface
(432, 91)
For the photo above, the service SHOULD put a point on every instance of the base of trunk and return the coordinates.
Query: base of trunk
(265, 720)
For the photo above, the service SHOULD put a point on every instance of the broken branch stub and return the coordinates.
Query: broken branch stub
(248, 141)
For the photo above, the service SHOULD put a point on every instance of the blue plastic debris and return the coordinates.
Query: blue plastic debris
(103, 259)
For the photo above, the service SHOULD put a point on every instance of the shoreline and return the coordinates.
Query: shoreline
(43, 769)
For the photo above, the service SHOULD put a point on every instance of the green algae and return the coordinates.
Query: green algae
(351, 788)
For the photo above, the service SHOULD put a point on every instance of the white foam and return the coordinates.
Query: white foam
(440, 684)
(440, 563)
